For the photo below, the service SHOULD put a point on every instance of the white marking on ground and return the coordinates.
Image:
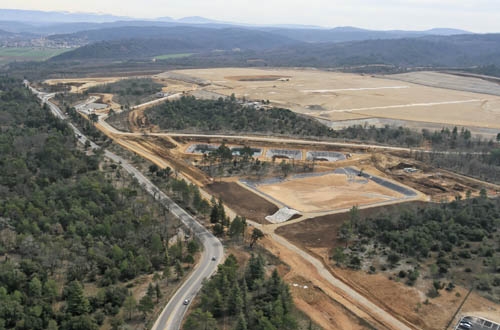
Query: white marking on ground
(352, 89)
(395, 106)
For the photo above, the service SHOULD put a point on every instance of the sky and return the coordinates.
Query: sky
(472, 15)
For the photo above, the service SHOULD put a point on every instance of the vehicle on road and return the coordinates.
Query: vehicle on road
(214, 258)
(186, 302)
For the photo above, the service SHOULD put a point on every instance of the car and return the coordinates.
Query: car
(214, 258)
(463, 325)
(186, 302)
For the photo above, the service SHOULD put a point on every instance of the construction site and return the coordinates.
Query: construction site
(301, 212)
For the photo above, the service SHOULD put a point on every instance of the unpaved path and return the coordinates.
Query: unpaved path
(314, 270)
(301, 262)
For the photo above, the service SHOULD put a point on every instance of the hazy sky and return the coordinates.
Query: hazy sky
(474, 15)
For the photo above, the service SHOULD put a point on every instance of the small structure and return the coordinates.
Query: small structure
(282, 215)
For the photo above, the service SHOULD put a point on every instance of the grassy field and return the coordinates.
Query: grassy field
(28, 54)
(170, 56)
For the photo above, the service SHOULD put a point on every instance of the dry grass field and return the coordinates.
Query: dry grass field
(343, 96)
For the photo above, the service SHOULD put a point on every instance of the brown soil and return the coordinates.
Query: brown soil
(326, 312)
(157, 150)
(405, 301)
(333, 303)
(321, 232)
(351, 96)
(242, 201)
(319, 236)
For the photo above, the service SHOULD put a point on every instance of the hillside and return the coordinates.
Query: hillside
(344, 34)
(147, 42)
(460, 51)
(271, 49)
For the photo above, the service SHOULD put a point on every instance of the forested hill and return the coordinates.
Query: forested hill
(146, 42)
(270, 49)
(450, 51)
(460, 51)
(71, 244)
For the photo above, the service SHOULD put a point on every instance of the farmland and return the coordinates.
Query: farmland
(28, 54)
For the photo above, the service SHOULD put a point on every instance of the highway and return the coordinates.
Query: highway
(173, 314)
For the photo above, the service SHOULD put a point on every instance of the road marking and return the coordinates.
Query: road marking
(411, 105)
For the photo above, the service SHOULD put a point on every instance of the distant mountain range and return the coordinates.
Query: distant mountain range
(48, 23)
(109, 38)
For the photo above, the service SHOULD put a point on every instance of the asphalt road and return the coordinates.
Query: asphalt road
(173, 314)
(478, 324)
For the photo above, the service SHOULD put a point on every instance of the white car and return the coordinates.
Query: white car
(186, 302)
(464, 325)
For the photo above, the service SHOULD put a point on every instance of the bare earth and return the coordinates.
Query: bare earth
(327, 192)
(342, 96)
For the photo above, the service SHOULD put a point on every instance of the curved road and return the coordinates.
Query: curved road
(173, 314)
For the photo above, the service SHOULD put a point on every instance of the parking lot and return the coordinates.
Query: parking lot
(478, 324)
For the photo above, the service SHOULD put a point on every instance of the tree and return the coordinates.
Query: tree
(153, 168)
(52, 325)
(93, 118)
(339, 255)
(199, 320)
(242, 323)
(354, 216)
(193, 247)
(256, 235)
(146, 305)
(285, 168)
(158, 292)
(156, 243)
(214, 214)
(80, 322)
(345, 233)
(130, 304)
(76, 302)
(237, 228)
(218, 229)
(178, 269)
(35, 288)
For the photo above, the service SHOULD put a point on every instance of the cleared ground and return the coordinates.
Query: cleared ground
(254, 207)
(327, 192)
(443, 80)
(319, 235)
(341, 96)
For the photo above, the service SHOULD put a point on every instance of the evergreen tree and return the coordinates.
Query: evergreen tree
(158, 292)
(130, 305)
(76, 302)
(242, 323)
(146, 305)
